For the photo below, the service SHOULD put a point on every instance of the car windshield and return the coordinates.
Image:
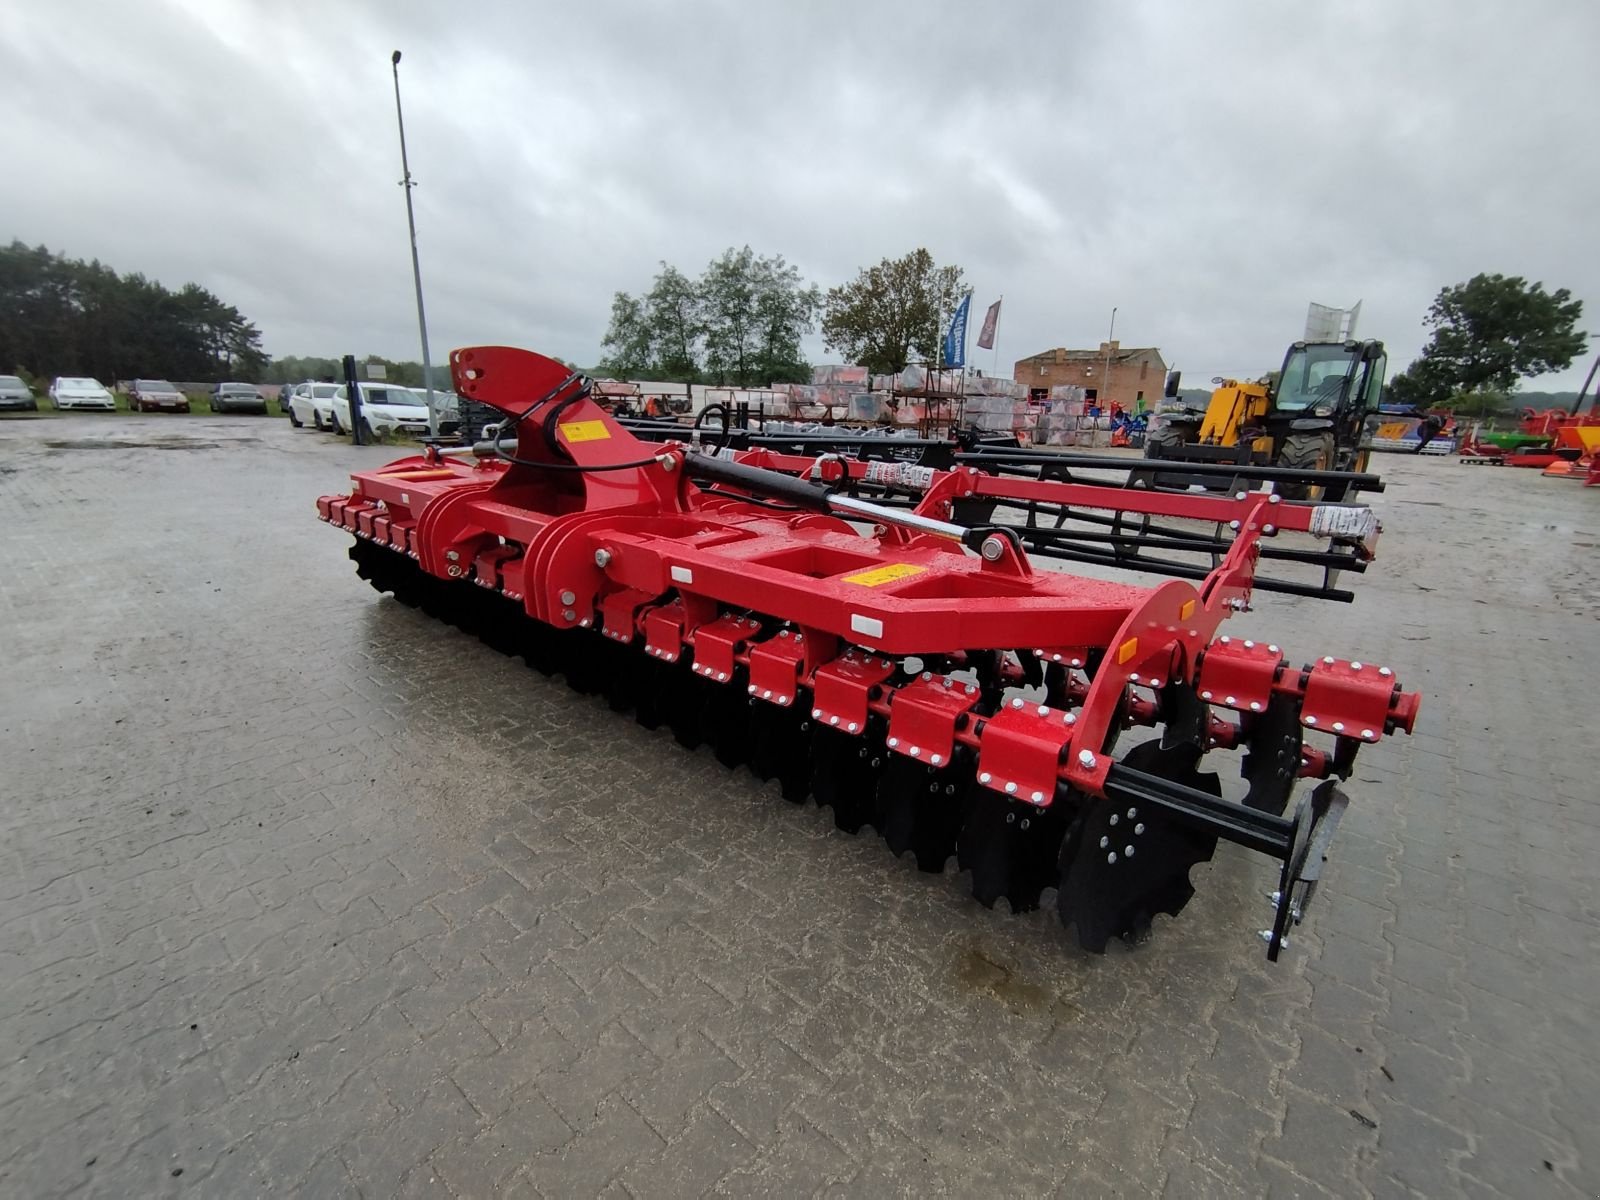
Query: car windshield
(323, 391)
(10, 381)
(154, 385)
(244, 388)
(1314, 374)
(80, 384)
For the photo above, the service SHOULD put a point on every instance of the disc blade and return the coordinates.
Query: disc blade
(624, 676)
(780, 748)
(584, 660)
(647, 708)
(681, 696)
(1272, 759)
(1010, 848)
(727, 721)
(845, 769)
(1107, 892)
(536, 642)
(499, 622)
(923, 809)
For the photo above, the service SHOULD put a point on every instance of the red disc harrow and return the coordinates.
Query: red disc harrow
(881, 634)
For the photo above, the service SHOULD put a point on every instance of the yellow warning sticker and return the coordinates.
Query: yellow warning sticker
(882, 575)
(1127, 650)
(585, 431)
(1186, 611)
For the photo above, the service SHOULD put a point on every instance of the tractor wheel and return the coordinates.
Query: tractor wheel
(1305, 452)
(1165, 442)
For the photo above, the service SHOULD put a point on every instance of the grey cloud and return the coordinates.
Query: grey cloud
(1208, 169)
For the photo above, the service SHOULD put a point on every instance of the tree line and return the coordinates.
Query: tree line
(741, 321)
(64, 316)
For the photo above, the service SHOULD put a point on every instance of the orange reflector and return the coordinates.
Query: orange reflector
(422, 473)
(1186, 611)
(1127, 650)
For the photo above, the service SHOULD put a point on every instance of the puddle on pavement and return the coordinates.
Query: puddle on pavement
(978, 974)
(125, 444)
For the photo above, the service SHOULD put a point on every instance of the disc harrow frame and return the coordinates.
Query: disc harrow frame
(871, 633)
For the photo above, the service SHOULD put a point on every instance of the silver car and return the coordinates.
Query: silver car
(237, 397)
(16, 394)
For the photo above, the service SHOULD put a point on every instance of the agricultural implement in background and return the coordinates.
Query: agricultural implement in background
(876, 634)
(1552, 441)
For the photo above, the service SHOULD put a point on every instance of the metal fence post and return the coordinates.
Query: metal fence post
(352, 388)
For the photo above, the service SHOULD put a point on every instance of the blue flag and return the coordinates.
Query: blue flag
(955, 341)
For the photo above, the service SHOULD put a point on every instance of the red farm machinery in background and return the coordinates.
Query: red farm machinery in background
(882, 635)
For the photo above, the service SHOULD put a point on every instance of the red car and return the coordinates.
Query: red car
(151, 395)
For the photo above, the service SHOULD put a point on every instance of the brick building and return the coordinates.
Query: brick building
(1136, 376)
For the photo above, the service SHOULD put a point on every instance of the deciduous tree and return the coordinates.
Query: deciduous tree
(890, 314)
(1488, 333)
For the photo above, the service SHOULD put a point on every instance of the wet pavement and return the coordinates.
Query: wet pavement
(303, 891)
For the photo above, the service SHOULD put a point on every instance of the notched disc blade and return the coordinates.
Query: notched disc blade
(845, 770)
(1272, 759)
(585, 661)
(682, 696)
(647, 708)
(923, 809)
(625, 677)
(1010, 848)
(727, 721)
(536, 643)
(780, 748)
(1107, 892)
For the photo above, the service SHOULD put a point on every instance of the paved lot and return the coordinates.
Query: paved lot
(301, 891)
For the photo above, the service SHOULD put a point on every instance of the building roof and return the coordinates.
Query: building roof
(1118, 353)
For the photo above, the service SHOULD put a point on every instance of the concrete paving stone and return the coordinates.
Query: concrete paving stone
(1416, 1151)
(577, 1088)
(693, 1162)
(443, 927)
(483, 1165)
(613, 1138)
(665, 1096)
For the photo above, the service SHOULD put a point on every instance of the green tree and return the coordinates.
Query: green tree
(629, 352)
(61, 316)
(740, 323)
(676, 322)
(890, 314)
(1488, 333)
(756, 310)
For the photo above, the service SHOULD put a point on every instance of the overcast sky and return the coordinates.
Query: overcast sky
(1206, 168)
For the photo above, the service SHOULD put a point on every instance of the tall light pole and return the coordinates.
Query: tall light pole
(416, 267)
(1588, 379)
(1105, 375)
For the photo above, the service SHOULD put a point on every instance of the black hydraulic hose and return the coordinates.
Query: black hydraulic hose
(725, 413)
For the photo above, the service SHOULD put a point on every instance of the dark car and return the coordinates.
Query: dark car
(151, 395)
(14, 393)
(237, 397)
